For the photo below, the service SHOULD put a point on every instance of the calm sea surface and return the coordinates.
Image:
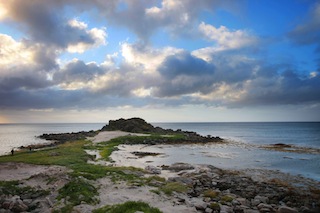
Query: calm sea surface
(238, 156)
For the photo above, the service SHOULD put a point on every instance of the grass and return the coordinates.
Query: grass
(13, 188)
(77, 191)
(128, 207)
(226, 198)
(171, 187)
(210, 193)
(67, 154)
(71, 155)
(215, 206)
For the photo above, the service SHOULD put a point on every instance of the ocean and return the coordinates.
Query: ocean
(241, 154)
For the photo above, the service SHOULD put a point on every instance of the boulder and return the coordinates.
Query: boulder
(153, 169)
(225, 209)
(286, 209)
(177, 167)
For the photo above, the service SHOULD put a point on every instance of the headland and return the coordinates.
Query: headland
(81, 172)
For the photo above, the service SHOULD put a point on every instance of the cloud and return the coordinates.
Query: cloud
(308, 32)
(76, 74)
(222, 74)
(227, 39)
(287, 88)
(182, 74)
(22, 66)
(43, 24)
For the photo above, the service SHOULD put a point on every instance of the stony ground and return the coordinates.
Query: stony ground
(208, 189)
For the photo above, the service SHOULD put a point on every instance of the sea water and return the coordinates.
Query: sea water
(237, 155)
(13, 136)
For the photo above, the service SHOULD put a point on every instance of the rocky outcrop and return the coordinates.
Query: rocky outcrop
(215, 190)
(59, 138)
(138, 125)
(134, 125)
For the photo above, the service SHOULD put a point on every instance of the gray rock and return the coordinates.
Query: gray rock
(265, 208)
(156, 183)
(213, 183)
(259, 199)
(225, 209)
(201, 205)
(250, 211)
(177, 167)
(243, 201)
(19, 206)
(208, 210)
(184, 180)
(262, 199)
(27, 201)
(255, 202)
(286, 209)
(153, 169)
(6, 204)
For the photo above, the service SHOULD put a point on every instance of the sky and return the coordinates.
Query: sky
(161, 60)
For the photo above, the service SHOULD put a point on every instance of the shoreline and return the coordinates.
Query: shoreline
(186, 187)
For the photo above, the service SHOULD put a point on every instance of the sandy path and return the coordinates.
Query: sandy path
(111, 193)
(108, 135)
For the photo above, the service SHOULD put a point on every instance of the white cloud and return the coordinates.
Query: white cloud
(226, 38)
(98, 35)
(14, 53)
(146, 57)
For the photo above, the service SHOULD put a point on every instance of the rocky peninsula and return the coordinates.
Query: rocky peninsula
(76, 173)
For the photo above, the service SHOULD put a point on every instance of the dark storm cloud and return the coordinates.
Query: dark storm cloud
(287, 88)
(77, 71)
(26, 80)
(183, 74)
(185, 64)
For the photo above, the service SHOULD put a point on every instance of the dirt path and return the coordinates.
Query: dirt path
(108, 135)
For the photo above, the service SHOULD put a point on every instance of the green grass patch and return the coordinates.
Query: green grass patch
(171, 187)
(226, 198)
(128, 207)
(78, 190)
(210, 193)
(67, 154)
(215, 206)
(14, 188)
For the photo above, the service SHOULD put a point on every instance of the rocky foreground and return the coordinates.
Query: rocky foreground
(192, 189)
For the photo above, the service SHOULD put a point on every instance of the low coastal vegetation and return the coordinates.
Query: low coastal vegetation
(13, 187)
(171, 187)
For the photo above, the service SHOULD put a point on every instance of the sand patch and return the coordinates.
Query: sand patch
(108, 135)
(20, 171)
